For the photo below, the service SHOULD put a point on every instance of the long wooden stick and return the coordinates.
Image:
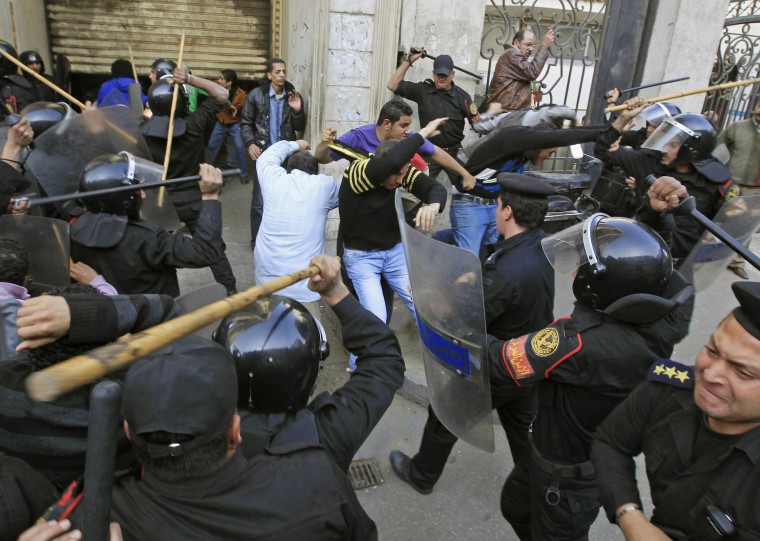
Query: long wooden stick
(44, 81)
(132, 61)
(170, 137)
(668, 97)
(64, 377)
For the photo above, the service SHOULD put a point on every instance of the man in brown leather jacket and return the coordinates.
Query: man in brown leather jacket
(514, 71)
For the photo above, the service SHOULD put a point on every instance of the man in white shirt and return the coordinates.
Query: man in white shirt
(296, 202)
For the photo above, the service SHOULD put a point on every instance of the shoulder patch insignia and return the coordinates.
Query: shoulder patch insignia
(532, 357)
(545, 342)
(473, 109)
(672, 373)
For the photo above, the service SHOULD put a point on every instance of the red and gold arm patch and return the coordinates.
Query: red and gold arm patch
(532, 357)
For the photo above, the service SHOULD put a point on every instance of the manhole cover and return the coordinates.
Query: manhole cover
(365, 474)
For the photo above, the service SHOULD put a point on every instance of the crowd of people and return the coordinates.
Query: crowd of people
(223, 438)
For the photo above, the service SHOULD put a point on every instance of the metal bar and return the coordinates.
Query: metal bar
(102, 439)
(640, 87)
(425, 55)
(120, 189)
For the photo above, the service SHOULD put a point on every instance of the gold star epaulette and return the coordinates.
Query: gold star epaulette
(672, 373)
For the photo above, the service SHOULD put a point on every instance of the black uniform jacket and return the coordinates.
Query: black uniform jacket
(710, 184)
(293, 491)
(188, 152)
(518, 286)
(24, 496)
(688, 465)
(135, 256)
(587, 364)
(454, 103)
(346, 417)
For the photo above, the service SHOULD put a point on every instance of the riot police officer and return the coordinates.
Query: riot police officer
(278, 348)
(680, 147)
(33, 60)
(15, 91)
(188, 146)
(631, 310)
(133, 255)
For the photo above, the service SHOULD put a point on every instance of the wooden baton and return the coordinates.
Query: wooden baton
(667, 97)
(170, 137)
(59, 379)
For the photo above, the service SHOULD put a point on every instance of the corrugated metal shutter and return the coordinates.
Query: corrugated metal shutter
(219, 34)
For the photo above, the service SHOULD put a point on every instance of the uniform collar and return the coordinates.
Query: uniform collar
(684, 425)
(526, 236)
(214, 483)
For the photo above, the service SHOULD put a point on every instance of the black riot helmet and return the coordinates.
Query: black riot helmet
(30, 57)
(278, 348)
(6, 66)
(111, 171)
(614, 257)
(693, 134)
(163, 67)
(44, 115)
(160, 99)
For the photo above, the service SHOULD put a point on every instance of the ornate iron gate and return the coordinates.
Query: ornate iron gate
(568, 73)
(578, 25)
(737, 59)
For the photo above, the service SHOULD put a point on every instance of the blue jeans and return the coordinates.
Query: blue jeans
(215, 142)
(473, 224)
(365, 268)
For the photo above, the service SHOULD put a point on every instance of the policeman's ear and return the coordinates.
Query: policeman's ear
(233, 436)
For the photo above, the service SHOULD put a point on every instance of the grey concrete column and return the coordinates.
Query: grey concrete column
(683, 42)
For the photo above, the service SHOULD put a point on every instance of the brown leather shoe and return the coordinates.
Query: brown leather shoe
(402, 466)
(741, 272)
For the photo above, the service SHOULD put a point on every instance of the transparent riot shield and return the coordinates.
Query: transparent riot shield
(447, 285)
(47, 242)
(740, 218)
(198, 298)
(60, 154)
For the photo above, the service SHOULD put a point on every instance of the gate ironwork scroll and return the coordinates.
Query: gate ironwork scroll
(737, 59)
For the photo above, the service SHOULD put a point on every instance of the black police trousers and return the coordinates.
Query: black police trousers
(515, 414)
(546, 502)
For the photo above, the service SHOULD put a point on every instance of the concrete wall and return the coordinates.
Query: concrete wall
(299, 42)
(22, 24)
(683, 43)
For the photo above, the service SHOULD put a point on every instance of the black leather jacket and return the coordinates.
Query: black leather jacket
(254, 120)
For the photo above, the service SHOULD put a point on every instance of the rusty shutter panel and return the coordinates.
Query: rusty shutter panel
(219, 34)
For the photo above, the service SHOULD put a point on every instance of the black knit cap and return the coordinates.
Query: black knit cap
(524, 184)
(748, 311)
(189, 387)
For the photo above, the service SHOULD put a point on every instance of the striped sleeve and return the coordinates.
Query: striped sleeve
(356, 175)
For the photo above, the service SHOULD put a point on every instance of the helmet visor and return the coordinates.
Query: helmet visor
(568, 249)
(655, 114)
(668, 135)
(142, 170)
